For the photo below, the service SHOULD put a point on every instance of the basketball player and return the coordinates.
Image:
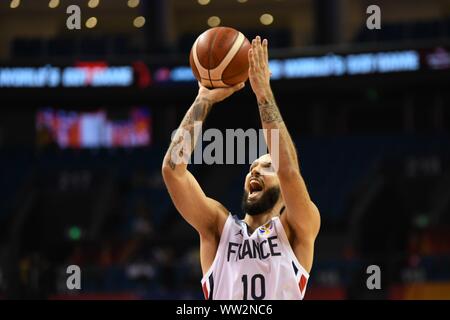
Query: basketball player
(269, 254)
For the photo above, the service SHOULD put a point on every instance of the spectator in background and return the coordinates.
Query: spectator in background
(139, 231)
(191, 267)
(106, 258)
(141, 224)
(141, 271)
(165, 258)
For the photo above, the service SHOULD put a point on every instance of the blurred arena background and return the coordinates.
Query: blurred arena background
(86, 116)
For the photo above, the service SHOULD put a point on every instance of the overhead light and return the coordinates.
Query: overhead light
(91, 22)
(242, 1)
(266, 19)
(93, 3)
(133, 3)
(53, 4)
(139, 22)
(213, 21)
(203, 2)
(14, 4)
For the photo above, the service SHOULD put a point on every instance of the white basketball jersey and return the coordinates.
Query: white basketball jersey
(254, 267)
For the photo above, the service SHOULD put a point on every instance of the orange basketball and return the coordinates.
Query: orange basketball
(219, 57)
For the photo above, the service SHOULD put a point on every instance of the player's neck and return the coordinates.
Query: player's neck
(258, 220)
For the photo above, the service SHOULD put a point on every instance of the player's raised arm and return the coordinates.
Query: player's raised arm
(200, 211)
(301, 214)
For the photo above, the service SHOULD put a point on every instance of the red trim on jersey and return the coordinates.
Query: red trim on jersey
(302, 283)
(205, 291)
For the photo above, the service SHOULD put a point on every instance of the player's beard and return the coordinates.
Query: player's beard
(265, 203)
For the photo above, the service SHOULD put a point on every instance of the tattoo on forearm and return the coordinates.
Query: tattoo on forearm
(200, 109)
(174, 143)
(269, 112)
(198, 112)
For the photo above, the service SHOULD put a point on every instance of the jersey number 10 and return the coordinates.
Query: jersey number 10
(253, 281)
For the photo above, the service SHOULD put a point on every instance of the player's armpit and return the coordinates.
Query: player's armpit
(206, 215)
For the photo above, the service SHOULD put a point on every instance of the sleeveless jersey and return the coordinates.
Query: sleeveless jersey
(254, 266)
